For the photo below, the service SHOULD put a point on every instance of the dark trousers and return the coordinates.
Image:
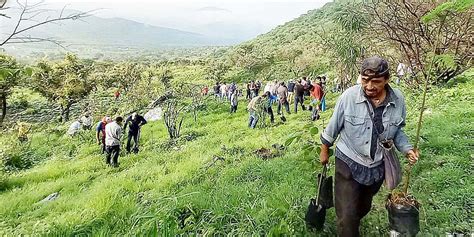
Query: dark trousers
(299, 100)
(269, 110)
(315, 112)
(112, 154)
(248, 94)
(233, 108)
(286, 104)
(103, 145)
(353, 200)
(133, 136)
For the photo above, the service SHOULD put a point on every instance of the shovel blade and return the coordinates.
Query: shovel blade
(315, 216)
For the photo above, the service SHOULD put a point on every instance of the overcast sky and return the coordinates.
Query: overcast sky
(235, 19)
(256, 16)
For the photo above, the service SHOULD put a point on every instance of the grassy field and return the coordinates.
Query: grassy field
(169, 189)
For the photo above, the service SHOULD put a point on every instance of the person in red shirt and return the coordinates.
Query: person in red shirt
(316, 93)
(117, 94)
(205, 90)
(100, 128)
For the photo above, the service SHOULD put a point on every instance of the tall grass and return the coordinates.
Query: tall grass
(180, 189)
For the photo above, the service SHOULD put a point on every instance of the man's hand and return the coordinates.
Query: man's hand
(413, 156)
(324, 156)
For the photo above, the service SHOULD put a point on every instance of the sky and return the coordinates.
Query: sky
(247, 17)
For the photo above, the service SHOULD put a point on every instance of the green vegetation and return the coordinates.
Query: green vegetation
(214, 175)
(182, 189)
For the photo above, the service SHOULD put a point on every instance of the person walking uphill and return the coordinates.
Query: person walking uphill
(136, 122)
(316, 93)
(113, 133)
(234, 101)
(282, 93)
(365, 117)
(299, 96)
(100, 128)
(253, 108)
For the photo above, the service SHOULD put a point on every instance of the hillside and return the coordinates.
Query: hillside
(94, 35)
(170, 189)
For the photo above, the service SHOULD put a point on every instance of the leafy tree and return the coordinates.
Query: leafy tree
(342, 37)
(65, 82)
(125, 75)
(11, 74)
(216, 70)
(251, 58)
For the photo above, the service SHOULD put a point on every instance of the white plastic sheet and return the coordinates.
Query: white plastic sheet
(153, 114)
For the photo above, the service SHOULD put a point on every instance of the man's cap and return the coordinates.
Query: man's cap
(376, 65)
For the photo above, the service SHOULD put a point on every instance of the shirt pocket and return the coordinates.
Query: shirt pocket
(395, 125)
(354, 125)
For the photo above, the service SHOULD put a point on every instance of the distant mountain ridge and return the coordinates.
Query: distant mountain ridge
(119, 31)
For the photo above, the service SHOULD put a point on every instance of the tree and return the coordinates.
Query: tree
(400, 24)
(31, 17)
(125, 75)
(216, 70)
(10, 75)
(64, 83)
(250, 58)
(343, 39)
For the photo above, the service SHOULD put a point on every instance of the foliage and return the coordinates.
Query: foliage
(216, 70)
(169, 192)
(64, 83)
(11, 75)
(413, 28)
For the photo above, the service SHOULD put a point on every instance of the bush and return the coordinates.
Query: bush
(20, 103)
(17, 156)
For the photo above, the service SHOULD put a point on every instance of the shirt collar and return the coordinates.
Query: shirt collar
(391, 99)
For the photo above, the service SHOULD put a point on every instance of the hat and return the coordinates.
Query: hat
(376, 65)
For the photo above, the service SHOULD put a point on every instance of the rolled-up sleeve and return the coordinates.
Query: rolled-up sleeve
(330, 133)
(401, 139)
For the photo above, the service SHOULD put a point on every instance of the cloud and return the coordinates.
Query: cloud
(213, 9)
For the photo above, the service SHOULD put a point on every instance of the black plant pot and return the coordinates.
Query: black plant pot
(404, 219)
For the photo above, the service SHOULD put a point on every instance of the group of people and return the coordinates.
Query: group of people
(368, 119)
(225, 91)
(286, 93)
(109, 134)
(367, 122)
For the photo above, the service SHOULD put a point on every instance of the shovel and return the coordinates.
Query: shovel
(316, 214)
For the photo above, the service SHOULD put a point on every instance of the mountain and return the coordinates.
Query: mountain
(121, 32)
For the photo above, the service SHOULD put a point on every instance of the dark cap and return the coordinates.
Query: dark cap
(374, 67)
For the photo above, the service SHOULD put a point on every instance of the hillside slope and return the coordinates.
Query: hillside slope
(170, 189)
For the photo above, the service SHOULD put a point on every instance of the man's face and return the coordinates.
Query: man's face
(374, 87)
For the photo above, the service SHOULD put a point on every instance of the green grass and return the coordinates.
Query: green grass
(166, 192)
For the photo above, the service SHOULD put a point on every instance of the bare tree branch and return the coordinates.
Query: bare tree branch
(29, 13)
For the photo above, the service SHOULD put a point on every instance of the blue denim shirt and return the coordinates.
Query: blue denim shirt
(352, 124)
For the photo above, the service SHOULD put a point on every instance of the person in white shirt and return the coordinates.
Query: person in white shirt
(113, 134)
(86, 121)
(74, 128)
(402, 71)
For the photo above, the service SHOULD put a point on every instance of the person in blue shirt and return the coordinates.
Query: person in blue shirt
(367, 118)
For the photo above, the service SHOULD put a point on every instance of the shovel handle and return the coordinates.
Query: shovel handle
(320, 181)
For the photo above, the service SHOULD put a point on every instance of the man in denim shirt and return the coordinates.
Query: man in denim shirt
(359, 161)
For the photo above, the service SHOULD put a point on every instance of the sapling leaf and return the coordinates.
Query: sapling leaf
(289, 141)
